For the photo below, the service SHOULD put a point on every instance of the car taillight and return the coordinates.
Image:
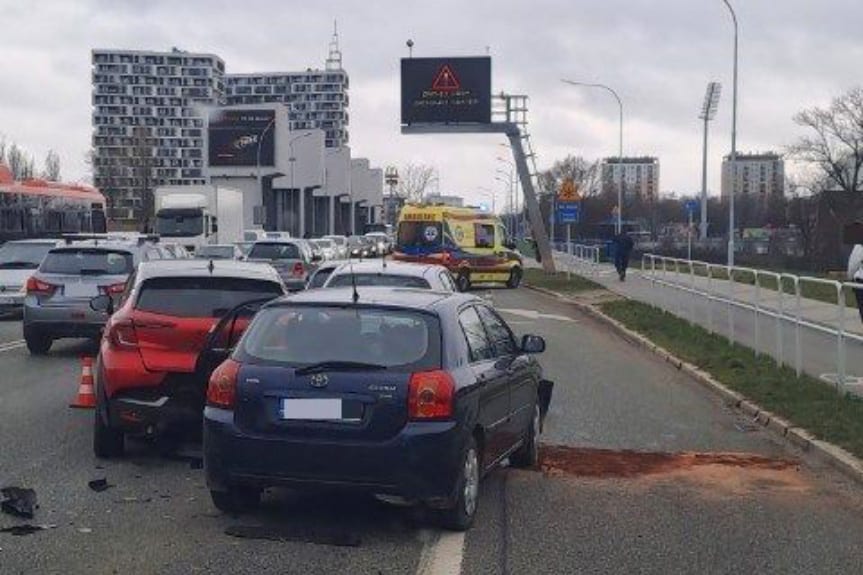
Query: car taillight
(298, 270)
(222, 390)
(430, 395)
(35, 286)
(122, 334)
(113, 289)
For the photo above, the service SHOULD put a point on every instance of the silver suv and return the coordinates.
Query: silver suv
(18, 260)
(57, 301)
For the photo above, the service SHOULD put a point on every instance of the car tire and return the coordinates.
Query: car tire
(108, 442)
(514, 280)
(462, 281)
(460, 516)
(527, 456)
(236, 499)
(38, 343)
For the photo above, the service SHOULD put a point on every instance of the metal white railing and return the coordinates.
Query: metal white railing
(583, 256)
(681, 274)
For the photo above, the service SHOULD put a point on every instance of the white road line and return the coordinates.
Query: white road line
(442, 553)
(10, 345)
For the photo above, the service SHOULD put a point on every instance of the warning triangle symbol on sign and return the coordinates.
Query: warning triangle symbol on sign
(445, 81)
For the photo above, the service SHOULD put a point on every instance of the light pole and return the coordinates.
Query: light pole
(510, 180)
(733, 190)
(513, 197)
(302, 203)
(268, 127)
(619, 149)
(708, 113)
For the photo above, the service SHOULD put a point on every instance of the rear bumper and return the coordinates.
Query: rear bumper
(154, 415)
(420, 463)
(64, 321)
(11, 302)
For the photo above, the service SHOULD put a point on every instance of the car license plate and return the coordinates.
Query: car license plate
(312, 409)
(78, 290)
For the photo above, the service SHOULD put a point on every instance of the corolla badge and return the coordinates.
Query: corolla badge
(319, 380)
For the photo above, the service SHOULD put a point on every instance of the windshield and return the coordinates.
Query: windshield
(201, 297)
(174, 223)
(216, 252)
(87, 261)
(275, 251)
(420, 234)
(397, 339)
(25, 256)
(378, 280)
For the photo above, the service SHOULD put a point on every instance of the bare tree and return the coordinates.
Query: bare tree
(143, 164)
(18, 162)
(583, 172)
(52, 167)
(836, 146)
(415, 181)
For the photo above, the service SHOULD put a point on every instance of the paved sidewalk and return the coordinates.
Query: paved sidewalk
(818, 352)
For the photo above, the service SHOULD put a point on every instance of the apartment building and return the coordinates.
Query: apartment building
(639, 177)
(758, 175)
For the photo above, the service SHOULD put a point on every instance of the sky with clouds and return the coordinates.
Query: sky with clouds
(658, 54)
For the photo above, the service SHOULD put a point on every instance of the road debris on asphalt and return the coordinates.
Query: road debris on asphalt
(99, 485)
(25, 529)
(18, 501)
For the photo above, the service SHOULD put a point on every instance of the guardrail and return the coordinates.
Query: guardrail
(681, 274)
(580, 255)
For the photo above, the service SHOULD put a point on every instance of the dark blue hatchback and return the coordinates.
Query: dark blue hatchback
(399, 392)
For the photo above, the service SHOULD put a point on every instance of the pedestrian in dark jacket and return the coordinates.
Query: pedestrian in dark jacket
(623, 245)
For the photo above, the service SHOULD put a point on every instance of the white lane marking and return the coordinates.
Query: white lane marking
(533, 314)
(442, 553)
(10, 345)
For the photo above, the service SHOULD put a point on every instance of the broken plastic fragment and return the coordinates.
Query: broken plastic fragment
(99, 485)
(18, 501)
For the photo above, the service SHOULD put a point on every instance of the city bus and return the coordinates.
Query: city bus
(41, 209)
(470, 242)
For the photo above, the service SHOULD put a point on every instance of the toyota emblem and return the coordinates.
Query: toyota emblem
(319, 380)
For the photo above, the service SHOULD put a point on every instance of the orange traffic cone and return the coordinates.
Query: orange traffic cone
(86, 394)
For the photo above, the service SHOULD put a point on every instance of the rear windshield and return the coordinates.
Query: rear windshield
(379, 280)
(201, 297)
(420, 234)
(275, 251)
(23, 256)
(401, 340)
(88, 261)
(320, 278)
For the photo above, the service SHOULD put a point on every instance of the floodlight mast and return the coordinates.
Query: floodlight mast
(708, 113)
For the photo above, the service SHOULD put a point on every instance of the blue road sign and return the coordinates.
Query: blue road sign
(568, 212)
(691, 206)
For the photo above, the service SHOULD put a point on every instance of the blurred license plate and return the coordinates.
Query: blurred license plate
(312, 409)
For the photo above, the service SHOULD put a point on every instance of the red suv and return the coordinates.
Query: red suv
(148, 375)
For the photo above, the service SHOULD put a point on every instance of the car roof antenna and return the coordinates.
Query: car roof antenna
(356, 295)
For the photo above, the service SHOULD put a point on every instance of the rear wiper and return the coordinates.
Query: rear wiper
(92, 272)
(338, 366)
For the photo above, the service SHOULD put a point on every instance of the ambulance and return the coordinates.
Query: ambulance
(468, 241)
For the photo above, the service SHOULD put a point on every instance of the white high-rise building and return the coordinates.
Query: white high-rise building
(316, 99)
(639, 176)
(758, 175)
(148, 122)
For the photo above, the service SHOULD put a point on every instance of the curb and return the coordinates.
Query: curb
(840, 459)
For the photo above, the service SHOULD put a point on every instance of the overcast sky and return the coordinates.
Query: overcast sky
(658, 54)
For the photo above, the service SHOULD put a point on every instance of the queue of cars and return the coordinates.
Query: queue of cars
(375, 375)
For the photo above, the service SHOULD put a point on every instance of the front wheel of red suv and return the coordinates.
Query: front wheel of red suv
(236, 499)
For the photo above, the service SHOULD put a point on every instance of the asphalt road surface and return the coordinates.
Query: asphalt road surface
(654, 475)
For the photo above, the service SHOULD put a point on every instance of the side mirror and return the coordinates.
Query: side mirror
(532, 344)
(510, 245)
(317, 258)
(102, 303)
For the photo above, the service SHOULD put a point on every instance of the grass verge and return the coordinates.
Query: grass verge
(805, 401)
(559, 282)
